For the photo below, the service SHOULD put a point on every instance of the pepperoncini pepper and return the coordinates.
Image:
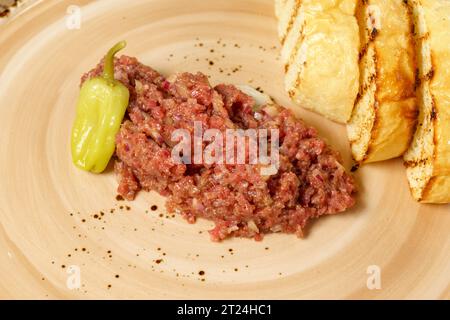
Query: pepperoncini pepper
(100, 110)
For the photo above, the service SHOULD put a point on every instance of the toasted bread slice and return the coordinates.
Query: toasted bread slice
(428, 158)
(320, 42)
(384, 118)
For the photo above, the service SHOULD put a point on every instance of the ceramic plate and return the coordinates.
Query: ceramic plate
(63, 234)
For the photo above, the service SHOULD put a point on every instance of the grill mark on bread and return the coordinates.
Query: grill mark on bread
(291, 21)
(297, 46)
(418, 81)
(433, 114)
(415, 163)
(429, 76)
(426, 79)
(424, 38)
(373, 77)
(295, 51)
(371, 36)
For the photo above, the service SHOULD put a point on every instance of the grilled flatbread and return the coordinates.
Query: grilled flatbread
(428, 158)
(384, 118)
(320, 42)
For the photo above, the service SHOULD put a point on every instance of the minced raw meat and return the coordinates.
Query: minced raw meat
(242, 202)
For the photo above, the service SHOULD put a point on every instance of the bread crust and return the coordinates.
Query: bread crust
(428, 159)
(387, 62)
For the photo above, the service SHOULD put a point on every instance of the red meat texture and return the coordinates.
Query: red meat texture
(242, 202)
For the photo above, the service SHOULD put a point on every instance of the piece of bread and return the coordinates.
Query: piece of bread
(320, 42)
(428, 158)
(385, 114)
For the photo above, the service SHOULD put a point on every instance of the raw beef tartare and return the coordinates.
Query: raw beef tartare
(310, 180)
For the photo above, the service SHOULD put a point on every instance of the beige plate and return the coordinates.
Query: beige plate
(48, 207)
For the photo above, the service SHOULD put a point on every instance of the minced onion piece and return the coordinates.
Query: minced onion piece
(261, 99)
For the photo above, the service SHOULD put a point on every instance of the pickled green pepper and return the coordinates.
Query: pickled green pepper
(100, 110)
